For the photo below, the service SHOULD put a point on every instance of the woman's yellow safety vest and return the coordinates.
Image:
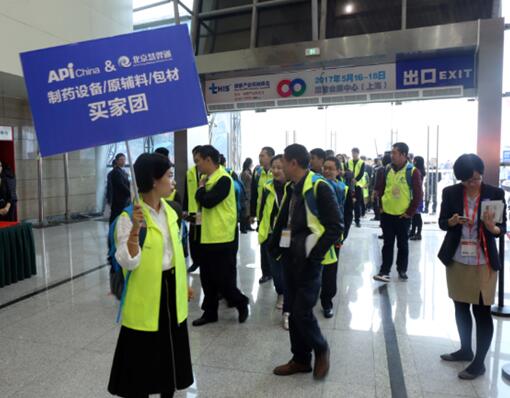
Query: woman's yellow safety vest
(143, 292)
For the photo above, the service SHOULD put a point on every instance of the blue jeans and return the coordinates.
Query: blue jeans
(277, 273)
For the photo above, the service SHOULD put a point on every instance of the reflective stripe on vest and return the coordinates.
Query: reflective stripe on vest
(191, 180)
(397, 193)
(143, 295)
(265, 227)
(220, 222)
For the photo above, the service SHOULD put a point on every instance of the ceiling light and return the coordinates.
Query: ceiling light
(349, 8)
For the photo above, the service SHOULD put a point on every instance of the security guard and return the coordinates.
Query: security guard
(190, 209)
(260, 176)
(357, 167)
(399, 188)
(218, 238)
(306, 228)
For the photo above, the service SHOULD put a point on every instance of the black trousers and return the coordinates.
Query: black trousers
(303, 292)
(359, 206)
(265, 265)
(394, 227)
(217, 270)
(194, 243)
(329, 286)
(377, 208)
(347, 219)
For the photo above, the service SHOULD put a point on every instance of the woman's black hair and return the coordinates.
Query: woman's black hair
(150, 167)
(208, 151)
(335, 160)
(419, 163)
(247, 164)
(465, 166)
(276, 157)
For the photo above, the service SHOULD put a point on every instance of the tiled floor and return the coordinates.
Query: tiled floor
(60, 343)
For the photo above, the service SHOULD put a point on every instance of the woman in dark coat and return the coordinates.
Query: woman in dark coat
(471, 257)
(417, 223)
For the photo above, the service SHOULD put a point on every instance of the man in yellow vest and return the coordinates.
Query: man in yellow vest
(217, 215)
(190, 209)
(399, 188)
(261, 175)
(305, 231)
(357, 167)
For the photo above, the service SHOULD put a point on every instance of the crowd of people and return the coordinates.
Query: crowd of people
(302, 204)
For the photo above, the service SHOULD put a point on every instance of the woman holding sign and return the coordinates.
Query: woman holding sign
(152, 354)
(471, 257)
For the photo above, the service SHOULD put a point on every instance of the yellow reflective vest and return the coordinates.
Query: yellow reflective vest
(311, 183)
(397, 195)
(220, 222)
(355, 169)
(265, 227)
(140, 310)
(262, 178)
(192, 187)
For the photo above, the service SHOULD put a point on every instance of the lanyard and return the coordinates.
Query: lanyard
(482, 240)
(475, 211)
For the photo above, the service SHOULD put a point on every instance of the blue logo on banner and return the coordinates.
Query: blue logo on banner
(102, 91)
(440, 71)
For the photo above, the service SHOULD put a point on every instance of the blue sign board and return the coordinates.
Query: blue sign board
(506, 156)
(439, 71)
(102, 91)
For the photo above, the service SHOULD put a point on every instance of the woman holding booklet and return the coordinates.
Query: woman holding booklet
(471, 257)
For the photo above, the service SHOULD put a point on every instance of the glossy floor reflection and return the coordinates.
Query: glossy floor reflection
(60, 343)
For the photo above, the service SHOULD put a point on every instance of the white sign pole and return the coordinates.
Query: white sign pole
(133, 176)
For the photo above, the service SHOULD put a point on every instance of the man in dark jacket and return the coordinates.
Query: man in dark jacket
(303, 242)
(119, 192)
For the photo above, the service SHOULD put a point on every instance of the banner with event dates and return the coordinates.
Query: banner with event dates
(407, 73)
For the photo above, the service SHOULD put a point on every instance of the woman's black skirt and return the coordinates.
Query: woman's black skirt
(153, 362)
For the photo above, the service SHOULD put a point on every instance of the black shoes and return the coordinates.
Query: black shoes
(328, 313)
(243, 313)
(203, 321)
(193, 268)
(265, 278)
(358, 225)
(468, 374)
(415, 237)
(457, 356)
(403, 276)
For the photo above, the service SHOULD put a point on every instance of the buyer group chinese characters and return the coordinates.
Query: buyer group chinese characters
(118, 107)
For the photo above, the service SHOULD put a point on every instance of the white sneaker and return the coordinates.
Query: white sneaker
(285, 320)
(279, 302)
(382, 278)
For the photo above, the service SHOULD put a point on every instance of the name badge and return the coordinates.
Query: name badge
(396, 192)
(285, 239)
(198, 219)
(468, 247)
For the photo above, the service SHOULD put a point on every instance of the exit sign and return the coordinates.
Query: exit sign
(309, 52)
